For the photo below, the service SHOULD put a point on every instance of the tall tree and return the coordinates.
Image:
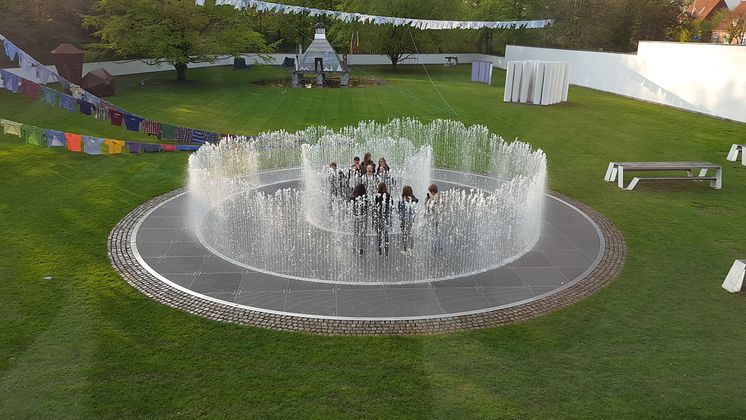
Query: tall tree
(176, 32)
(494, 10)
(397, 42)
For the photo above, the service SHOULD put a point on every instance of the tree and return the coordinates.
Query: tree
(503, 10)
(177, 32)
(397, 42)
(611, 25)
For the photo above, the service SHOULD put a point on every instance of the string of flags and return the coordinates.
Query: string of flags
(265, 6)
(91, 145)
(87, 103)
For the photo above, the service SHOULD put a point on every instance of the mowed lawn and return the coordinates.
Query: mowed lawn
(663, 340)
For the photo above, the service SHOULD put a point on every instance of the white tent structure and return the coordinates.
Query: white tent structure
(319, 59)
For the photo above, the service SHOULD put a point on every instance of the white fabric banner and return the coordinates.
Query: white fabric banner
(264, 6)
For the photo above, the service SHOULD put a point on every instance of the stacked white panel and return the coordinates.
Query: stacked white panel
(537, 82)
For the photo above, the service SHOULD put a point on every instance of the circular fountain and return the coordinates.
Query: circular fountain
(490, 206)
(264, 234)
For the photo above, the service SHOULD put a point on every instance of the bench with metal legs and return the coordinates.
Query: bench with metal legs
(615, 172)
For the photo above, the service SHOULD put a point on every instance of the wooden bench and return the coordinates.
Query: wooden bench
(734, 151)
(734, 280)
(615, 172)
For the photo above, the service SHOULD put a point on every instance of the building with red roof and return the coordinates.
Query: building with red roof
(732, 29)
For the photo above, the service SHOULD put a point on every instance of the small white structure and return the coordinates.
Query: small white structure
(537, 82)
(734, 280)
(481, 71)
(734, 151)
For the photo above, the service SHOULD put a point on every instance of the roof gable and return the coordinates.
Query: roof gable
(703, 9)
(738, 13)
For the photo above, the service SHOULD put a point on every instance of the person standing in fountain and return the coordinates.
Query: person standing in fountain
(370, 180)
(360, 217)
(337, 182)
(384, 175)
(433, 214)
(382, 218)
(368, 161)
(353, 174)
(407, 213)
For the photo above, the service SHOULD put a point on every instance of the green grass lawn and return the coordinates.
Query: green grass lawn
(664, 340)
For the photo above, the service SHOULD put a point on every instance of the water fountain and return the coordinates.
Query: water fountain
(266, 204)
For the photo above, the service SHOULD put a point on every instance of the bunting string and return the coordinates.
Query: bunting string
(425, 24)
(88, 103)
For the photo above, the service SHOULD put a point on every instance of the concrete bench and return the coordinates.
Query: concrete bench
(734, 151)
(615, 172)
(734, 280)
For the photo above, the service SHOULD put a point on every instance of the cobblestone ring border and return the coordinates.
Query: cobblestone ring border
(125, 263)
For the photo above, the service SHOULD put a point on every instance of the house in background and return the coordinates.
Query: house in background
(699, 18)
(732, 29)
(704, 9)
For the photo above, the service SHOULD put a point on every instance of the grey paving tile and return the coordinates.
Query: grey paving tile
(571, 273)
(170, 211)
(163, 222)
(541, 276)
(153, 262)
(555, 242)
(576, 228)
(455, 299)
(264, 300)
(342, 286)
(152, 249)
(567, 258)
(501, 277)
(532, 259)
(498, 296)
(564, 217)
(187, 235)
(309, 285)
(260, 282)
(412, 302)
(586, 241)
(215, 264)
(179, 201)
(540, 290)
(157, 235)
(458, 282)
(216, 283)
(180, 265)
(549, 229)
(592, 254)
(421, 285)
(184, 280)
(187, 249)
(362, 302)
(312, 302)
(224, 296)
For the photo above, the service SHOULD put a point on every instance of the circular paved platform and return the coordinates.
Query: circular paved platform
(155, 250)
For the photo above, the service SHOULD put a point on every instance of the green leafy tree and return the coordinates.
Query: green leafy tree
(397, 42)
(176, 32)
(489, 40)
(610, 25)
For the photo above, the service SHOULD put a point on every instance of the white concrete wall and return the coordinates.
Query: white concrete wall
(706, 78)
(120, 68)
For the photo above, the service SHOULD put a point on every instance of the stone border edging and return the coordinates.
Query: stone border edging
(125, 263)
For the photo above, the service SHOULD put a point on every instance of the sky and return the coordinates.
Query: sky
(732, 3)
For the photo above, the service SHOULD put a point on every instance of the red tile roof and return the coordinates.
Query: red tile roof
(704, 8)
(738, 13)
